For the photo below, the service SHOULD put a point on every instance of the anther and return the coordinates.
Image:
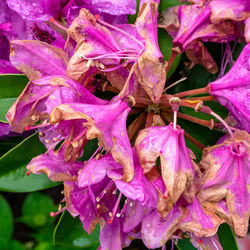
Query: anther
(52, 214)
(88, 64)
(41, 134)
(34, 117)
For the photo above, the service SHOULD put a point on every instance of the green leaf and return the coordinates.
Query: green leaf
(185, 244)
(13, 164)
(5, 104)
(70, 233)
(226, 237)
(15, 245)
(132, 18)
(8, 144)
(166, 44)
(36, 210)
(12, 85)
(89, 149)
(164, 4)
(6, 220)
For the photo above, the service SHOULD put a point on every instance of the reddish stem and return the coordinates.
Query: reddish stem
(171, 59)
(193, 92)
(149, 120)
(209, 124)
(204, 98)
(136, 125)
(198, 144)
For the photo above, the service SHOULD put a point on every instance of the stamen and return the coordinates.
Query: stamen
(175, 83)
(115, 208)
(99, 197)
(118, 29)
(93, 155)
(56, 23)
(52, 214)
(117, 67)
(37, 126)
(81, 134)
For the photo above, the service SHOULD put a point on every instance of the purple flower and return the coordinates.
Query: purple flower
(109, 126)
(200, 220)
(114, 7)
(38, 59)
(32, 106)
(191, 31)
(247, 30)
(156, 231)
(227, 169)
(151, 69)
(176, 165)
(233, 89)
(205, 242)
(101, 47)
(236, 10)
(94, 198)
(54, 166)
(37, 10)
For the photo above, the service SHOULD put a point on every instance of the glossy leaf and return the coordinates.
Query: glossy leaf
(166, 44)
(164, 4)
(132, 18)
(5, 104)
(15, 245)
(185, 244)
(8, 144)
(13, 176)
(12, 85)
(36, 210)
(6, 220)
(69, 232)
(226, 237)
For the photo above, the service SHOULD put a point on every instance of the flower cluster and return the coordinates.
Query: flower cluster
(142, 181)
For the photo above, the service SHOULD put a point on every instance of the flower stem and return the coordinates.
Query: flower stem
(149, 119)
(204, 98)
(198, 144)
(209, 124)
(136, 125)
(193, 92)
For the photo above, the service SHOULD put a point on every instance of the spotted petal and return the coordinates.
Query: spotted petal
(233, 89)
(227, 175)
(176, 165)
(109, 126)
(37, 59)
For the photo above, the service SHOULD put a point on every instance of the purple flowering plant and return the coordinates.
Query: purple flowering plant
(138, 110)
